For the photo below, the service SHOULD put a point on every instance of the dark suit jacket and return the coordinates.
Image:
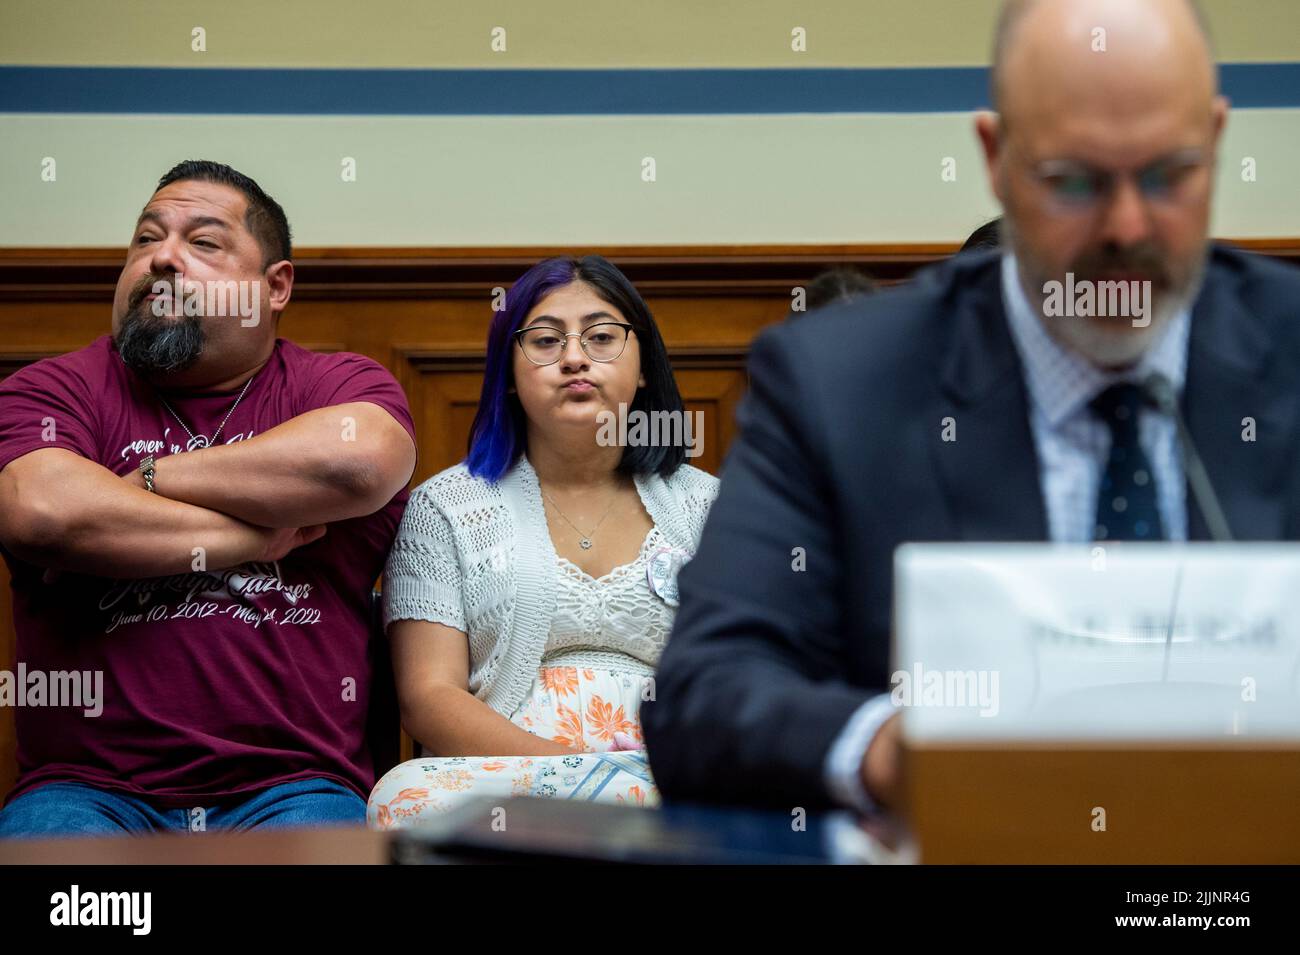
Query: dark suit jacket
(841, 455)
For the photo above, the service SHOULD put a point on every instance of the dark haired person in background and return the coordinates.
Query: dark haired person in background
(532, 587)
(987, 236)
(840, 283)
(164, 497)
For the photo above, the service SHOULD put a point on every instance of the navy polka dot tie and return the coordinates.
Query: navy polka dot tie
(1126, 500)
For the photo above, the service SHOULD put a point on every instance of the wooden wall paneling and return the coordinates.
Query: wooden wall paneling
(424, 314)
(443, 387)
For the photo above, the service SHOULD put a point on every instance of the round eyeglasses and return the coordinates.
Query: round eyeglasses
(545, 345)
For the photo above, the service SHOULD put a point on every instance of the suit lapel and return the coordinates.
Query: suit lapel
(990, 472)
(1231, 377)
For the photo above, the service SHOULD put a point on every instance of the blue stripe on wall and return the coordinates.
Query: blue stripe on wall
(25, 89)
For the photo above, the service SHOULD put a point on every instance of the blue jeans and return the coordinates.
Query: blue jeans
(76, 809)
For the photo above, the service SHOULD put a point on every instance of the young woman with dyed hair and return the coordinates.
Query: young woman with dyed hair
(532, 587)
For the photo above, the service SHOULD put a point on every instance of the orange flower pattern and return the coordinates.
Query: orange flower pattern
(635, 794)
(578, 707)
(568, 727)
(560, 680)
(604, 721)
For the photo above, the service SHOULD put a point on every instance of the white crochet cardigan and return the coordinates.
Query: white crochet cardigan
(478, 557)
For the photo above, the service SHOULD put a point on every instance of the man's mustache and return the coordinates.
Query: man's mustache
(144, 287)
(1137, 261)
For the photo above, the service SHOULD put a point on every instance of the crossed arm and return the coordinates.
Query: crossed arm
(325, 465)
(252, 500)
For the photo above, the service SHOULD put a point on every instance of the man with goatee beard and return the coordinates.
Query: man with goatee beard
(198, 509)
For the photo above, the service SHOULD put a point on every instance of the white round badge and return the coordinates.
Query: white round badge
(662, 570)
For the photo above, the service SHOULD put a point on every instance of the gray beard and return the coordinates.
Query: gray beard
(154, 347)
(1103, 346)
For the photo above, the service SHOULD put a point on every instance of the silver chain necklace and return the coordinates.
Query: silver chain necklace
(585, 541)
(199, 441)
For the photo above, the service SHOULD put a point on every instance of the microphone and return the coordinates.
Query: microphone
(1159, 391)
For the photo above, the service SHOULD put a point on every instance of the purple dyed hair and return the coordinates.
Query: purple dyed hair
(499, 433)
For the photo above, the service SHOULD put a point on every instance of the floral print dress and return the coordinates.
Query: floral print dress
(605, 638)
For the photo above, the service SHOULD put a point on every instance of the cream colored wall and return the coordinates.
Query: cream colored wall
(573, 180)
(565, 180)
(567, 33)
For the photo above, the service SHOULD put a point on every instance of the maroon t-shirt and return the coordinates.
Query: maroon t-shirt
(214, 684)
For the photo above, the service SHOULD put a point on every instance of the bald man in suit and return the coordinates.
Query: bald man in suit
(774, 686)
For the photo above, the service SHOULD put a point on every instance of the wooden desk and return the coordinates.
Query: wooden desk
(338, 846)
(1161, 803)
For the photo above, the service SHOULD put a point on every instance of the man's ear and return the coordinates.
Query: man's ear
(1219, 117)
(279, 285)
(988, 127)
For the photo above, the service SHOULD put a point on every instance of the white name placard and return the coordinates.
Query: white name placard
(1097, 642)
